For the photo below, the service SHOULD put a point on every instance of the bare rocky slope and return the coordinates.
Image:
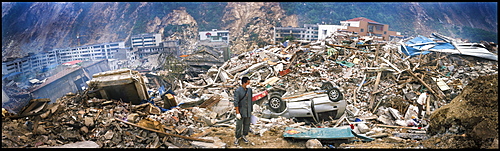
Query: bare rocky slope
(41, 26)
(252, 23)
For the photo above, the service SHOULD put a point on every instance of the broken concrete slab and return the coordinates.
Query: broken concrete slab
(216, 144)
(121, 84)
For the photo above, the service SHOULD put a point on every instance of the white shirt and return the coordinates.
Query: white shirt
(421, 98)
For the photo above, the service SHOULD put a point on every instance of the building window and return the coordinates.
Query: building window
(370, 28)
(361, 30)
(380, 28)
(385, 32)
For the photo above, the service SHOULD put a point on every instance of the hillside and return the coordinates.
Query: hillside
(40, 26)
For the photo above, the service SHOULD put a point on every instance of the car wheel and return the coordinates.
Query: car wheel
(276, 104)
(334, 95)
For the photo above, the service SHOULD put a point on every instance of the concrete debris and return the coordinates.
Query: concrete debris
(313, 143)
(378, 82)
(82, 144)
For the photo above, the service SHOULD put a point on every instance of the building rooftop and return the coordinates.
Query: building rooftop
(362, 19)
(56, 76)
(72, 62)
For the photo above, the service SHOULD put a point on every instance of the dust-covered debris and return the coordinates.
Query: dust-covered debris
(379, 82)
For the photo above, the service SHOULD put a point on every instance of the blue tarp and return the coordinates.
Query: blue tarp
(415, 50)
(161, 90)
(11, 75)
(410, 51)
(322, 133)
(419, 39)
(47, 68)
(423, 45)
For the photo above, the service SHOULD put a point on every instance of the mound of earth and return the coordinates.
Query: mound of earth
(470, 120)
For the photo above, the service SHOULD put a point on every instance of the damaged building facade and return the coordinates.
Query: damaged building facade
(69, 80)
(215, 36)
(312, 32)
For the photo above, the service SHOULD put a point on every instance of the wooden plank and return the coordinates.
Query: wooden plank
(376, 52)
(383, 88)
(333, 45)
(425, 84)
(210, 102)
(341, 119)
(390, 64)
(180, 136)
(402, 127)
(359, 88)
(377, 81)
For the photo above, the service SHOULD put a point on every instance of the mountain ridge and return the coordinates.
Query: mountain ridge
(41, 26)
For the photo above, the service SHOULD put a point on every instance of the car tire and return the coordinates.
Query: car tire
(334, 95)
(276, 104)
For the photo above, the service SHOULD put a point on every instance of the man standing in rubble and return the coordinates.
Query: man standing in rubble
(243, 107)
(421, 102)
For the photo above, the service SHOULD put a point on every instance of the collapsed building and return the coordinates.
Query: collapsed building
(380, 81)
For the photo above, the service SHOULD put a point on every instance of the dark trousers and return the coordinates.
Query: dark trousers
(420, 108)
(242, 127)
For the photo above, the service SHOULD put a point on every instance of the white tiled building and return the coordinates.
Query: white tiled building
(16, 65)
(89, 52)
(215, 35)
(58, 56)
(145, 40)
(327, 30)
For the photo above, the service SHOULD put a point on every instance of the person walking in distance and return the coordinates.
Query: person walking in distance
(243, 107)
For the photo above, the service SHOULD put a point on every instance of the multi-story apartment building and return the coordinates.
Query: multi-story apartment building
(89, 52)
(171, 46)
(280, 33)
(142, 44)
(366, 27)
(145, 40)
(39, 61)
(215, 35)
(311, 32)
(308, 32)
(146, 44)
(16, 65)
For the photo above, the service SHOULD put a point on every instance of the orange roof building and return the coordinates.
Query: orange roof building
(367, 27)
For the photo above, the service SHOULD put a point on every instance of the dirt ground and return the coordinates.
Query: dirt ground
(468, 121)
(269, 139)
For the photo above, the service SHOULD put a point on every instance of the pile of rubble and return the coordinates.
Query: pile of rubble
(379, 82)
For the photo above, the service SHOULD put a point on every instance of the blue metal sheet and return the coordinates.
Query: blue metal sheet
(319, 133)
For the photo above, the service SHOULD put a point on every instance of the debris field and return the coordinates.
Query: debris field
(378, 81)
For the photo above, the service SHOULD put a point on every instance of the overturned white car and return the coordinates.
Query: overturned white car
(321, 105)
